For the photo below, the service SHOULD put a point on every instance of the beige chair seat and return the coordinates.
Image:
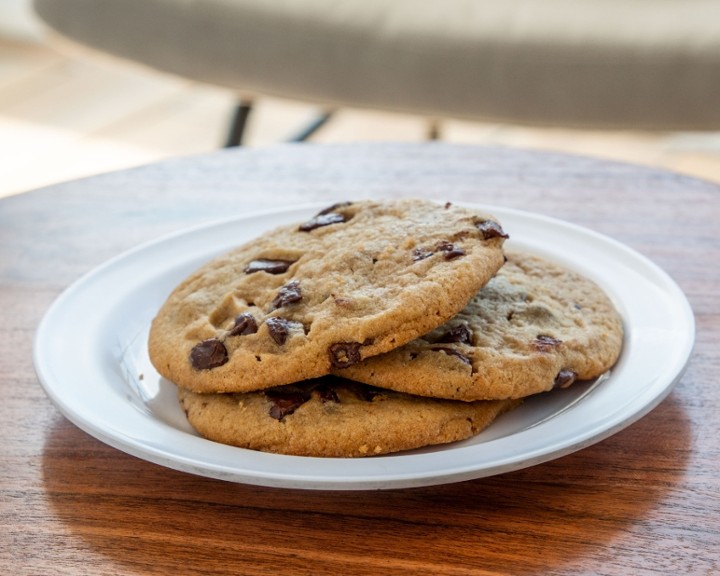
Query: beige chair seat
(651, 64)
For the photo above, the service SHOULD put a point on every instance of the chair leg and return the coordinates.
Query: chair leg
(311, 127)
(237, 124)
(240, 117)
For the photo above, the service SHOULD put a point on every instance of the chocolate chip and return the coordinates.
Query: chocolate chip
(460, 333)
(245, 324)
(453, 352)
(545, 343)
(363, 391)
(490, 229)
(341, 300)
(449, 250)
(327, 393)
(279, 329)
(421, 254)
(288, 294)
(323, 219)
(344, 354)
(269, 266)
(208, 354)
(451, 254)
(285, 400)
(565, 378)
(333, 208)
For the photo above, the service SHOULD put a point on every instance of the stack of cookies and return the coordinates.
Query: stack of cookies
(376, 327)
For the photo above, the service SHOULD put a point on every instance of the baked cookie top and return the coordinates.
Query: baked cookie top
(533, 327)
(334, 417)
(356, 280)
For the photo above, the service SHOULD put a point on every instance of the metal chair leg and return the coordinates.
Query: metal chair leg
(433, 130)
(237, 124)
(240, 118)
(311, 127)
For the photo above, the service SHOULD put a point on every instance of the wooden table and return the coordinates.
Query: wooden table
(645, 501)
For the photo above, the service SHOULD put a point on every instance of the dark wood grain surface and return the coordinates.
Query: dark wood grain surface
(645, 501)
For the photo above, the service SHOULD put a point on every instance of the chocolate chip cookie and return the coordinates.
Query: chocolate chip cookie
(334, 417)
(355, 280)
(535, 326)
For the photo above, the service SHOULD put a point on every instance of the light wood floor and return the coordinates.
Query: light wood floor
(63, 117)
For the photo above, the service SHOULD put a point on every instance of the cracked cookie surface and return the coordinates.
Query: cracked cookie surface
(535, 326)
(355, 280)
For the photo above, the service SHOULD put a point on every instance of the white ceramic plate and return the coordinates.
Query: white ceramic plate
(90, 355)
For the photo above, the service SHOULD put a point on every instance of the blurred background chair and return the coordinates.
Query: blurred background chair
(608, 64)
